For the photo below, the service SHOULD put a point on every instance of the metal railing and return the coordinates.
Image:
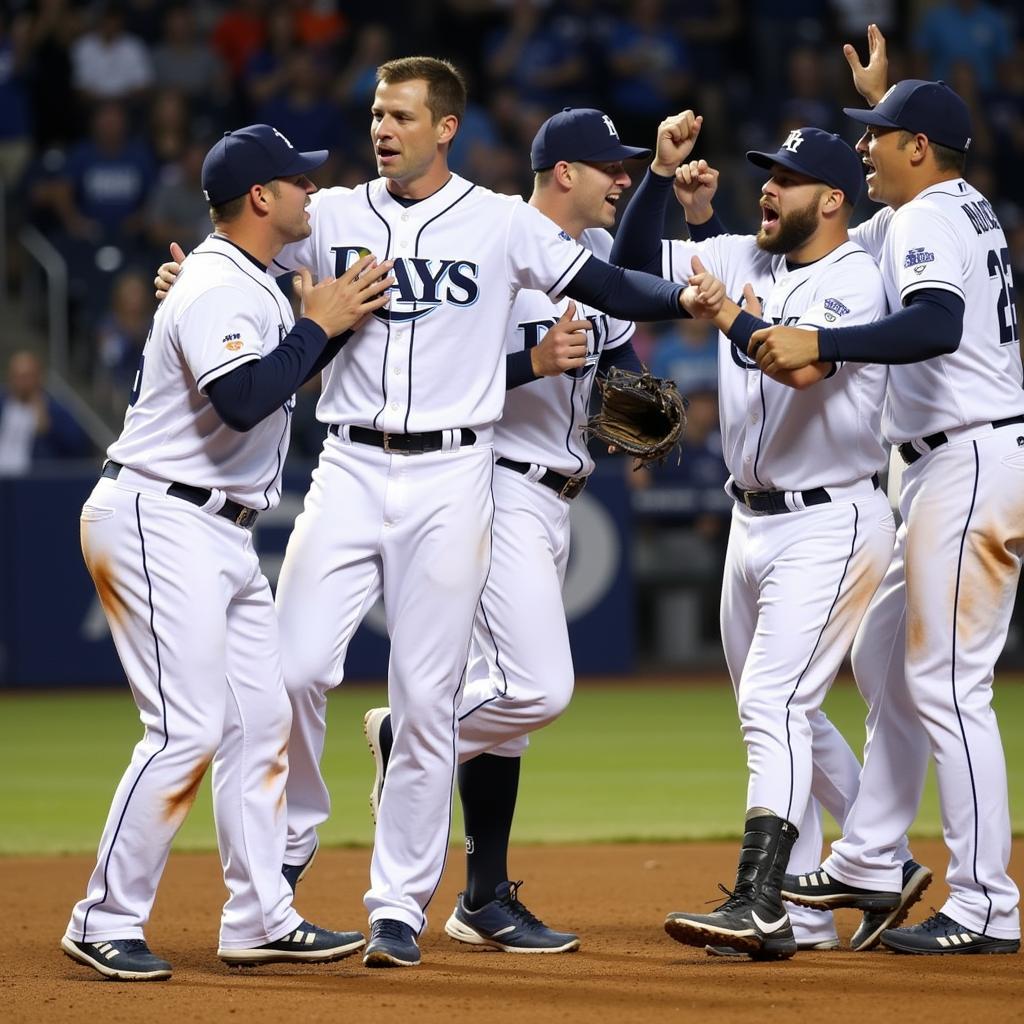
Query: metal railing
(54, 270)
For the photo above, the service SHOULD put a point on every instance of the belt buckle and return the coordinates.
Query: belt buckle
(572, 487)
(386, 439)
(246, 518)
(746, 499)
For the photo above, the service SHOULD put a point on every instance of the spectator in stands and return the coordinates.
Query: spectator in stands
(34, 426)
(177, 210)
(651, 68)
(106, 181)
(239, 35)
(358, 79)
(266, 71)
(303, 111)
(189, 65)
(55, 119)
(15, 108)
(531, 56)
(120, 338)
(169, 127)
(686, 351)
(108, 62)
(964, 30)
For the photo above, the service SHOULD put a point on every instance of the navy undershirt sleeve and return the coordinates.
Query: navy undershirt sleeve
(622, 357)
(518, 369)
(638, 238)
(331, 349)
(743, 327)
(249, 394)
(711, 228)
(930, 325)
(625, 294)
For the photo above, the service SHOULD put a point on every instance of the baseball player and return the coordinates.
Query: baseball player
(401, 504)
(955, 411)
(166, 537)
(520, 674)
(811, 533)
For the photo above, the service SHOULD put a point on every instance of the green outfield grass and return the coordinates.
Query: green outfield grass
(629, 762)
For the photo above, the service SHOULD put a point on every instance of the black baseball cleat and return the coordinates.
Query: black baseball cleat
(294, 873)
(118, 959)
(307, 944)
(753, 919)
(942, 936)
(812, 946)
(916, 878)
(819, 891)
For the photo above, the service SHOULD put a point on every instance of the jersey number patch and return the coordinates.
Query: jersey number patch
(1006, 306)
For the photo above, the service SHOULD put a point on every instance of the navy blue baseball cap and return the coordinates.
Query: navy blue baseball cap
(820, 155)
(582, 134)
(931, 108)
(251, 156)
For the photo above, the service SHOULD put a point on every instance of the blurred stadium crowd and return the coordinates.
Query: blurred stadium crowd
(106, 111)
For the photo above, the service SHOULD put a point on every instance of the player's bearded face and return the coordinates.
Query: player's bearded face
(784, 229)
(290, 207)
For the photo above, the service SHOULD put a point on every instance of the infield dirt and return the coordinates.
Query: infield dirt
(616, 897)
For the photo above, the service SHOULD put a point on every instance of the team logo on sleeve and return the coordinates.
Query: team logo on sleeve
(232, 342)
(834, 308)
(565, 236)
(917, 258)
(421, 285)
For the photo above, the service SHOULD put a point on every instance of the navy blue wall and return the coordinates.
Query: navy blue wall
(53, 633)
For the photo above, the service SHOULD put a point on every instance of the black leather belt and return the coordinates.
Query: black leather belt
(910, 454)
(238, 514)
(564, 486)
(404, 444)
(773, 503)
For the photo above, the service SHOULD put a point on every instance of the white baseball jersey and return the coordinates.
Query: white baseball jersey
(223, 311)
(544, 419)
(432, 360)
(948, 238)
(775, 437)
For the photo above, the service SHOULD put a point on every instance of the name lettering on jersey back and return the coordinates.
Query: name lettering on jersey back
(982, 216)
(420, 283)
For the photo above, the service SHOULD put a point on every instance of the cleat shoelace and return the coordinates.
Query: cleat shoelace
(517, 910)
(735, 901)
(388, 929)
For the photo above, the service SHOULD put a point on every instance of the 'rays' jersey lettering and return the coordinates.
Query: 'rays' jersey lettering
(948, 237)
(435, 358)
(543, 420)
(223, 311)
(774, 437)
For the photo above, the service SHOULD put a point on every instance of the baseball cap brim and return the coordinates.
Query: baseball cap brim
(869, 117)
(767, 160)
(304, 162)
(606, 155)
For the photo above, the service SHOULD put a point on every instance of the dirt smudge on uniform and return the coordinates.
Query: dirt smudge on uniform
(179, 803)
(103, 577)
(988, 571)
(278, 767)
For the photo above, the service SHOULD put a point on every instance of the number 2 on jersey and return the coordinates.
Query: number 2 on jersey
(1006, 306)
